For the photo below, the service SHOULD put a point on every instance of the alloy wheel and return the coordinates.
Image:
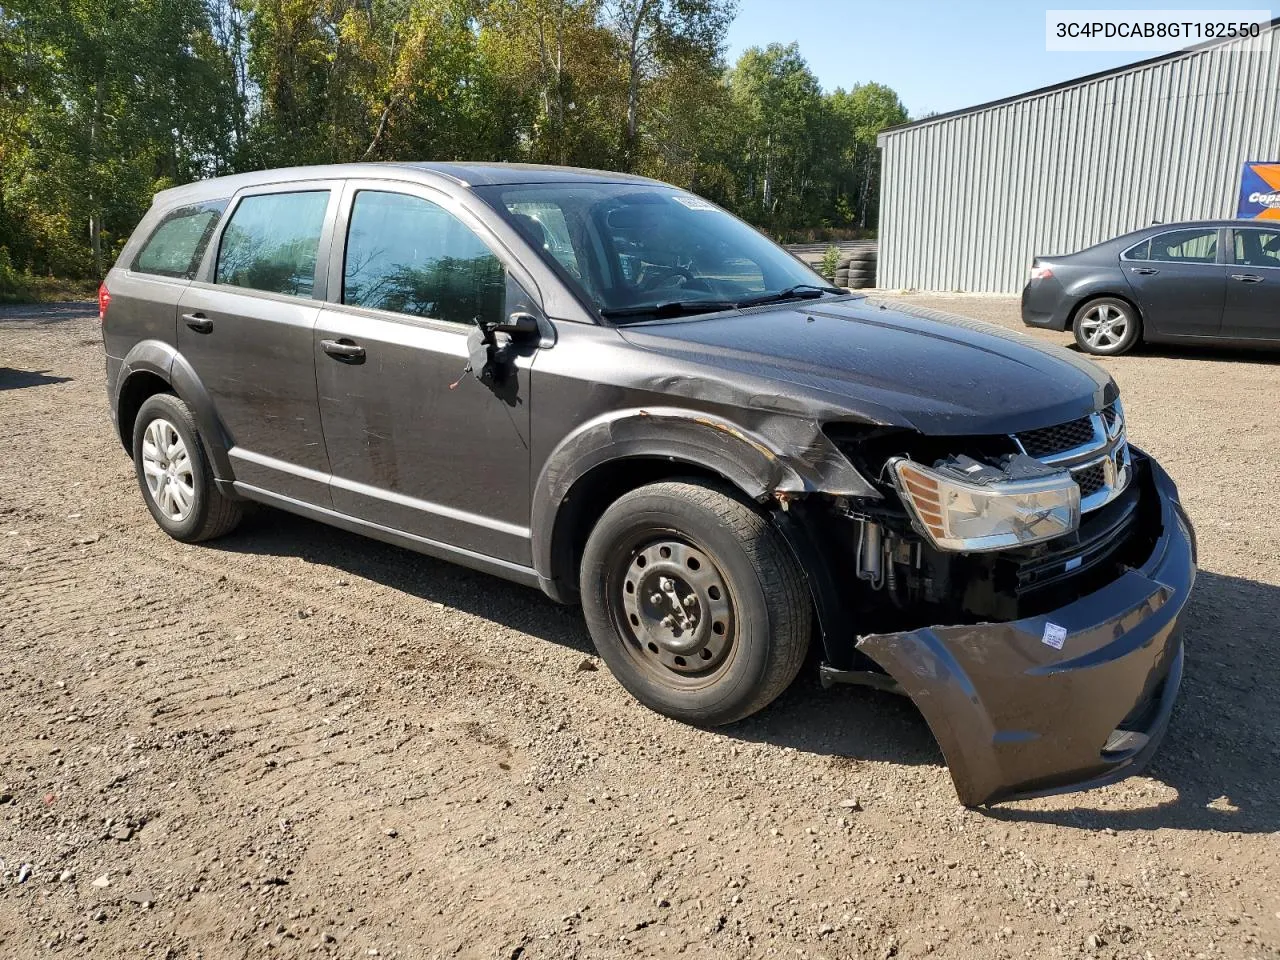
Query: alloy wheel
(1103, 326)
(167, 467)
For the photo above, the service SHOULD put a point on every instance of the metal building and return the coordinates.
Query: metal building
(968, 197)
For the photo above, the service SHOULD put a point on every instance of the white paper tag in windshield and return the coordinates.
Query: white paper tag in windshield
(693, 203)
(1054, 636)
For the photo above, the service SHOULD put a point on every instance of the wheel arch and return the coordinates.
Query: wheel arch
(558, 550)
(617, 453)
(1084, 299)
(152, 367)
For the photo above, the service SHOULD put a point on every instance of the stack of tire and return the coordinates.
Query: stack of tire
(857, 270)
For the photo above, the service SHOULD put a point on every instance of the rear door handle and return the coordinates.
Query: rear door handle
(1146, 271)
(1246, 277)
(345, 350)
(198, 322)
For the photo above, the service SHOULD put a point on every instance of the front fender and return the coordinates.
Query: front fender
(787, 457)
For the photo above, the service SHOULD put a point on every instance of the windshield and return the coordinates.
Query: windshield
(636, 251)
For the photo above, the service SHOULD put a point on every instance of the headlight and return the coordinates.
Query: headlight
(972, 517)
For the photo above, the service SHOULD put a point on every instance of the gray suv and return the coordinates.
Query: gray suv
(612, 390)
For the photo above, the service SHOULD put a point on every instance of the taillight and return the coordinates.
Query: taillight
(104, 301)
(1040, 273)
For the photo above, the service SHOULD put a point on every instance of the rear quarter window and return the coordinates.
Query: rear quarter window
(177, 244)
(1140, 252)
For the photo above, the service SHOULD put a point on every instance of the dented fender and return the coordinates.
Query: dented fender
(1070, 700)
(774, 458)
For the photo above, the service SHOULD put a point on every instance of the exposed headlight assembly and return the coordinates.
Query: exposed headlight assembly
(986, 513)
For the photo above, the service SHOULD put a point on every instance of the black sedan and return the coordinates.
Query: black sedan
(1215, 280)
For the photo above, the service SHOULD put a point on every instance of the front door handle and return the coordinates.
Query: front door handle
(1246, 277)
(198, 322)
(345, 350)
(1146, 271)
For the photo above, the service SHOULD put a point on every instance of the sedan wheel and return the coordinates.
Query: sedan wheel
(1106, 327)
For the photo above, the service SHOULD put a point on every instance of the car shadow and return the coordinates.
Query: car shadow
(845, 723)
(11, 379)
(1220, 754)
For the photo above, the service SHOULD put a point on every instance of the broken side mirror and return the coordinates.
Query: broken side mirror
(492, 362)
(518, 326)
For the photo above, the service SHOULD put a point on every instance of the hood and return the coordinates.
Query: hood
(889, 363)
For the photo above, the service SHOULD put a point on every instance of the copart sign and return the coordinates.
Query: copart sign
(1259, 191)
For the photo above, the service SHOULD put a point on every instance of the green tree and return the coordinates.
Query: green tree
(657, 39)
(103, 102)
(117, 102)
(780, 114)
(860, 114)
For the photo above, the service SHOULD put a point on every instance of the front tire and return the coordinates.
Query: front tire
(1107, 327)
(694, 602)
(174, 474)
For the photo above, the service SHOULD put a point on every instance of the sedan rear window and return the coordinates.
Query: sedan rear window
(1185, 246)
(177, 245)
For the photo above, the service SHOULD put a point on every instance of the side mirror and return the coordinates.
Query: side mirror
(517, 325)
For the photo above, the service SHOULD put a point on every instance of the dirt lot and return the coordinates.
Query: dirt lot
(295, 741)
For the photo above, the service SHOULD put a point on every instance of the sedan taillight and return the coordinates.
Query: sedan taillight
(1040, 273)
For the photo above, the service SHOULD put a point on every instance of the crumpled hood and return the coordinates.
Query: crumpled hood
(888, 363)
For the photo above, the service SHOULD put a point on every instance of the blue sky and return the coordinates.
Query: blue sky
(938, 56)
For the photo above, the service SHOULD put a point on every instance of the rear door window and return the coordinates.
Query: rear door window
(409, 255)
(177, 244)
(1256, 248)
(271, 242)
(1186, 246)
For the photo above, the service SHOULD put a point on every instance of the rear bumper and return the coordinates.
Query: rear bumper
(113, 391)
(1045, 305)
(1017, 717)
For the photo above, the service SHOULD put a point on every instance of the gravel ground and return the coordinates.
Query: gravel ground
(295, 741)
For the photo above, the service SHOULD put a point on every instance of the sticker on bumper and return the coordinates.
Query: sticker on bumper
(1054, 636)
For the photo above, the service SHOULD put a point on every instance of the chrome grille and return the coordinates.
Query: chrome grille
(1065, 436)
(1111, 415)
(1093, 448)
(1091, 479)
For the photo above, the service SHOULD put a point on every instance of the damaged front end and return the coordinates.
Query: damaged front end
(1046, 666)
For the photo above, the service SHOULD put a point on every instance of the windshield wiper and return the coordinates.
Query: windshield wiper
(800, 291)
(677, 308)
(668, 308)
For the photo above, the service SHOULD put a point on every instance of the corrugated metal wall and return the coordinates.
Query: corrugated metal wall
(967, 201)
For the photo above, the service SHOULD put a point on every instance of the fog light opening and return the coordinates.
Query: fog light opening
(1124, 743)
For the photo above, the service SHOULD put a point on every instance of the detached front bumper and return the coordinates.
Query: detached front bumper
(1074, 699)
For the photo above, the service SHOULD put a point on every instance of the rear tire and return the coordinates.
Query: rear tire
(174, 473)
(1107, 327)
(694, 602)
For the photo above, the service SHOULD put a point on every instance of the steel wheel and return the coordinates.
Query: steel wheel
(1103, 326)
(679, 618)
(167, 467)
(694, 601)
